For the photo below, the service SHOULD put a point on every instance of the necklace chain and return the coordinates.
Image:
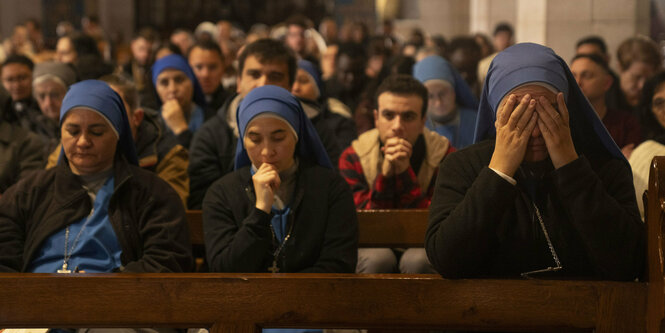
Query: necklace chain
(547, 236)
(69, 251)
(279, 249)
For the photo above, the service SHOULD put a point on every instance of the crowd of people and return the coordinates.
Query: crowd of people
(279, 134)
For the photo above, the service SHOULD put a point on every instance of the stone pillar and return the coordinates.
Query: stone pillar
(449, 18)
(486, 14)
(13, 12)
(117, 18)
(562, 22)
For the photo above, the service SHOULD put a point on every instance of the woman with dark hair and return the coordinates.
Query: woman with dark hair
(545, 191)
(652, 117)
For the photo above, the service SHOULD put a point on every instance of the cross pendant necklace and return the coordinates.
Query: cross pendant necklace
(274, 268)
(64, 269)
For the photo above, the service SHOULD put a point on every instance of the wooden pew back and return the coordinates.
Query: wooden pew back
(376, 228)
(655, 221)
(245, 302)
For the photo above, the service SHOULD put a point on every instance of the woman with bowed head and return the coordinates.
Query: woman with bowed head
(284, 208)
(96, 211)
(545, 191)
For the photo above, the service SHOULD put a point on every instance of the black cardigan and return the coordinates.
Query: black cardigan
(482, 226)
(325, 227)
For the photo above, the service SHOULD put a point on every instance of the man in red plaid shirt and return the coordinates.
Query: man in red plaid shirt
(380, 167)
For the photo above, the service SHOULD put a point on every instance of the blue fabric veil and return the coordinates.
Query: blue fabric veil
(436, 68)
(277, 100)
(527, 62)
(311, 69)
(175, 61)
(97, 95)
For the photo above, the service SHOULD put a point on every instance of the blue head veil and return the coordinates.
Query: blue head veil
(175, 61)
(98, 96)
(311, 69)
(527, 62)
(280, 102)
(436, 68)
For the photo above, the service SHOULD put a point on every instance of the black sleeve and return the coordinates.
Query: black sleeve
(210, 158)
(339, 252)
(185, 138)
(328, 140)
(12, 229)
(163, 231)
(234, 243)
(468, 202)
(602, 208)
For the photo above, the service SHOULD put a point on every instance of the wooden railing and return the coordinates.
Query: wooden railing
(245, 302)
(376, 228)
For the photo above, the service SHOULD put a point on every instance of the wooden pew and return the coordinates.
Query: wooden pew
(655, 220)
(244, 302)
(376, 228)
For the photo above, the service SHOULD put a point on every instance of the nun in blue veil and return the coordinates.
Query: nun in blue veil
(284, 208)
(182, 102)
(452, 108)
(96, 211)
(544, 191)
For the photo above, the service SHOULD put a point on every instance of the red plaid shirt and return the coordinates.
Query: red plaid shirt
(399, 191)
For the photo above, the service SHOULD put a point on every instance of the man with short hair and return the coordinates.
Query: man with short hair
(138, 67)
(295, 35)
(502, 38)
(207, 61)
(183, 39)
(16, 73)
(593, 76)
(596, 45)
(593, 45)
(263, 62)
(395, 166)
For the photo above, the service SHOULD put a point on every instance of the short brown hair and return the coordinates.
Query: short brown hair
(639, 48)
(128, 89)
(403, 84)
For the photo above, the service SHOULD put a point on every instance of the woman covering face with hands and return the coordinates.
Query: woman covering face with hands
(284, 209)
(545, 191)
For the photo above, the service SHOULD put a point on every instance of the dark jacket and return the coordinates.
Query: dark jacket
(20, 153)
(324, 238)
(26, 114)
(159, 151)
(217, 99)
(210, 156)
(480, 225)
(145, 212)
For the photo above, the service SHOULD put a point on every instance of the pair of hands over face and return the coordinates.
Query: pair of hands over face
(519, 121)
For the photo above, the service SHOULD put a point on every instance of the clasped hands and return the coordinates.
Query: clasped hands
(396, 156)
(266, 182)
(515, 126)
